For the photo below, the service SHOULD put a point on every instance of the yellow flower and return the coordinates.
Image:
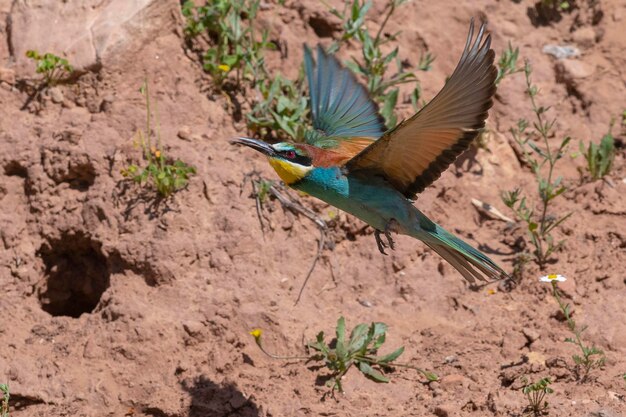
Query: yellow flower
(157, 154)
(256, 333)
(552, 277)
(491, 291)
(224, 67)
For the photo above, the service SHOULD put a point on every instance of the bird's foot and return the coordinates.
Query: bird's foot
(391, 226)
(379, 242)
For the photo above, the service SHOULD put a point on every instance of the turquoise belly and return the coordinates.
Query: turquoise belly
(370, 199)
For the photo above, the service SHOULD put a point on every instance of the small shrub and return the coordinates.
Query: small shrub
(600, 157)
(591, 357)
(507, 64)
(53, 68)
(374, 65)
(539, 223)
(281, 111)
(165, 174)
(536, 393)
(234, 45)
(359, 350)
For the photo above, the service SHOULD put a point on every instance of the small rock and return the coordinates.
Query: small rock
(285, 283)
(91, 351)
(450, 359)
(107, 103)
(561, 51)
(570, 69)
(398, 265)
(531, 334)
(365, 303)
(536, 358)
(453, 381)
(7, 75)
(56, 95)
(193, 328)
(184, 133)
(585, 36)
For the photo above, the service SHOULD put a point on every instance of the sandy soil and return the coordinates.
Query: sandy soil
(112, 306)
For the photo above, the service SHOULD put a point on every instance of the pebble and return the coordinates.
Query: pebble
(571, 69)
(107, 102)
(536, 358)
(56, 95)
(184, 133)
(561, 51)
(530, 334)
(453, 381)
(193, 328)
(365, 303)
(450, 359)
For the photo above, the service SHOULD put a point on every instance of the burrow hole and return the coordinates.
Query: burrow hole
(76, 275)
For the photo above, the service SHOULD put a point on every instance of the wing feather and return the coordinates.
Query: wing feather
(416, 152)
(341, 107)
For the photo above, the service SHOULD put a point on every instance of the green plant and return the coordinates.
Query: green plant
(560, 5)
(360, 350)
(4, 403)
(507, 64)
(540, 224)
(281, 110)
(53, 68)
(536, 393)
(165, 174)
(235, 46)
(591, 357)
(600, 157)
(374, 64)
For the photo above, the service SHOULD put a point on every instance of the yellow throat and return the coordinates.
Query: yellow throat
(287, 171)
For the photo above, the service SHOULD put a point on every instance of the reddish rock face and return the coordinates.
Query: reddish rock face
(114, 303)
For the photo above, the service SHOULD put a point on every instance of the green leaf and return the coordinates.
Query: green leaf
(341, 331)
(431, 376)
(358, 336)
(372, 373)
(392, 356)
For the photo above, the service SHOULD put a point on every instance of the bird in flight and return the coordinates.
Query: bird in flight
(352, 162)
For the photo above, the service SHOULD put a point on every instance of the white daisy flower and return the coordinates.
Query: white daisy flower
(553, 277)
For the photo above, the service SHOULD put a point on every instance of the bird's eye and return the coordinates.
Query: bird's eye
(290, 154)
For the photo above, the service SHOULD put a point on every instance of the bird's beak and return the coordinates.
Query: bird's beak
(259, 145)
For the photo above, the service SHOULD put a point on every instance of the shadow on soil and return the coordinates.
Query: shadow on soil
(214, 400)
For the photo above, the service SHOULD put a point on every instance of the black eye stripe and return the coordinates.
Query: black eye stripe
(293, 156)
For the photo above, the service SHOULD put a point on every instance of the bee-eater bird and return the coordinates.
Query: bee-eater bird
(349, 160)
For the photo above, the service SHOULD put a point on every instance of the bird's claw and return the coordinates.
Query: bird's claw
(391, 226)
(379, 242)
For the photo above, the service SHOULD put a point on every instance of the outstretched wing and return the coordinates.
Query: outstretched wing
(343, 113)
(415, 153)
